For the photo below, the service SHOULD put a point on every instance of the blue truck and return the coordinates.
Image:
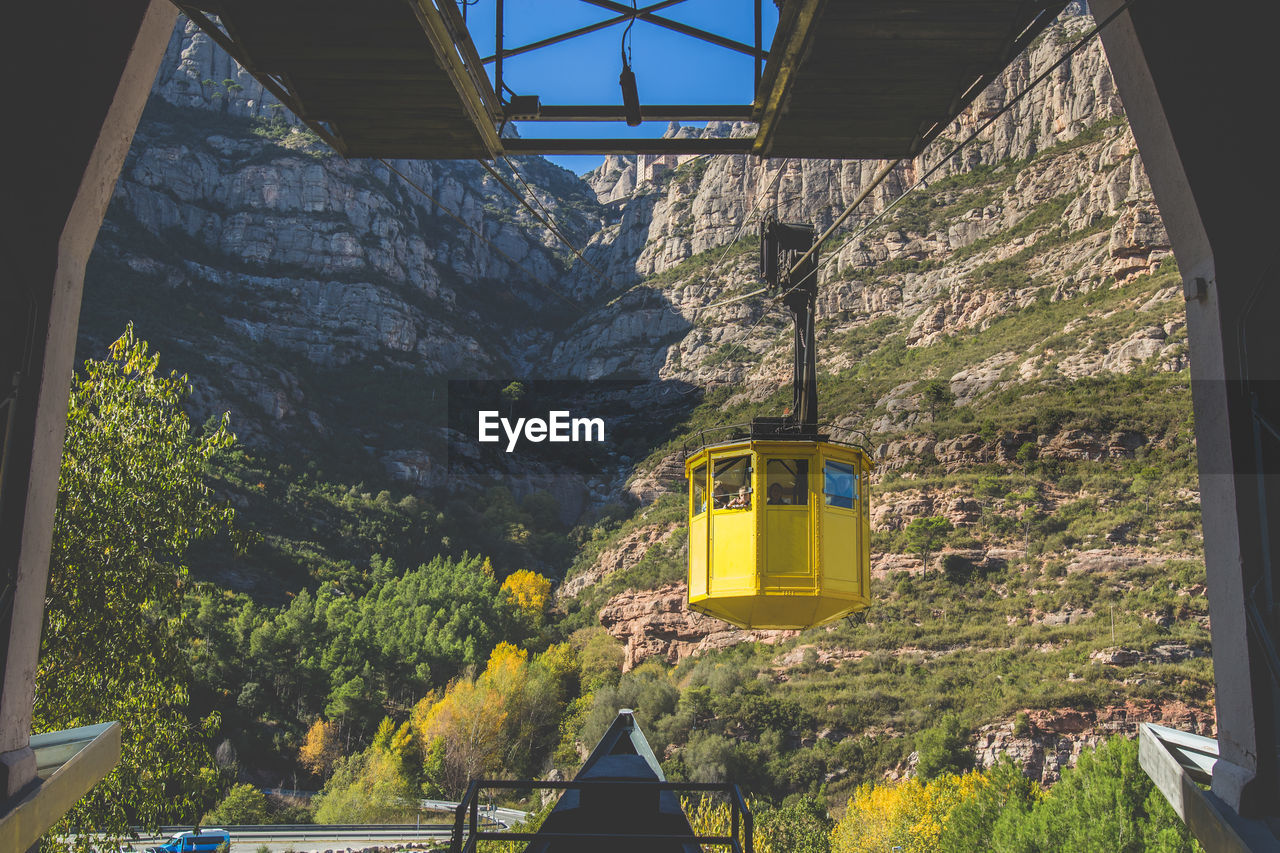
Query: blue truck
(195, 841)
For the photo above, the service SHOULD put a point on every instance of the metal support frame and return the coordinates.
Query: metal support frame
(1174, 67)
(228, 43)
(1017, 43)
(1179, 763)
(56, 208)
(683, 29)
(759, 68)
(625, 14)
(69, 763)
(652, 112)
(1260, 603)
(498, 42)
(628, 146)
(679, 112)
(580, 31)
(467, 834)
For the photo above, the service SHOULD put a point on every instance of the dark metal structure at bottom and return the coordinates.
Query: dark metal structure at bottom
(620, 801)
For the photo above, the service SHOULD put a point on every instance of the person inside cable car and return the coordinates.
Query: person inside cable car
(740, 501)
(788, 482)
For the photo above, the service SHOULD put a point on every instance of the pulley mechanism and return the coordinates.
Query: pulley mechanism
(627, 79)
(782, 244)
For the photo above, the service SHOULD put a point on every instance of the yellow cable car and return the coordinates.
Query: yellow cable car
(778, 532)
(779, 519)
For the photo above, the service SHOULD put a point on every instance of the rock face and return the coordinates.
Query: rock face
(659, 623)
(1053, 740)
(300, 278)
(276, 273)
(623, 555)
(670, 212)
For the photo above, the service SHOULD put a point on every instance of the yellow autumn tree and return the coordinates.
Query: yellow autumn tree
(367, 787)
(909, 815)
(530, 591)
(710, 817)
(466, 727)
(504, 719)
(321, 749)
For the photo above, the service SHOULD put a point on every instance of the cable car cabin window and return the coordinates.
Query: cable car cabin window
(839, 485)
(699, 489)
(786, 482)
(731, 483)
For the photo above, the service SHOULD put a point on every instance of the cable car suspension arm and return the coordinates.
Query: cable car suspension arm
(789, 267)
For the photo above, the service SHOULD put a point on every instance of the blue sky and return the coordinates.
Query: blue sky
(670, 67)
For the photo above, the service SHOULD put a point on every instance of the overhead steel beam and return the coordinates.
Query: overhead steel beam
(653, 112)
(796, 25)
(269, 81)
(678, 27)
(456, 54)
(739, 145)
(581, 31)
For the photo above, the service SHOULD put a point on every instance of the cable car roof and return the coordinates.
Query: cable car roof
(403, 78)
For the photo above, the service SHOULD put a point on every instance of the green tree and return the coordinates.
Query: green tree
(131, 498)
(799, 825)
(601, 658)
(243, 805)
(957, 569)
(513, 394)
(1106, 803)
(970, 823)
(924, 535)
(936, 395)
(943, 748)
(1027, 454)
(367, 788)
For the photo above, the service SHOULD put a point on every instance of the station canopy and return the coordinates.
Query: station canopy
(854, 79)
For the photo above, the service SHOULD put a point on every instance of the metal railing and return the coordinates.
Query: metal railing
(742, 432)
(467, 832)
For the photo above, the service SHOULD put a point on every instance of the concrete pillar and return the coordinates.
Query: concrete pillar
(1192, 78)
(78, 77)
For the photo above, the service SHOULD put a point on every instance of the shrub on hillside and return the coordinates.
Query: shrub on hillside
(957, 568)
(243, 805)
(943, 749)
(1105, 804)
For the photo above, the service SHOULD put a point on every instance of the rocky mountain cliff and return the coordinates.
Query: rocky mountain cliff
(675, 209)
(337, 264)
(293, 261)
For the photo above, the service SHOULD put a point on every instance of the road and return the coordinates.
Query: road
(435, 839)
(506, 817)
(433, 833)
(320, 838)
